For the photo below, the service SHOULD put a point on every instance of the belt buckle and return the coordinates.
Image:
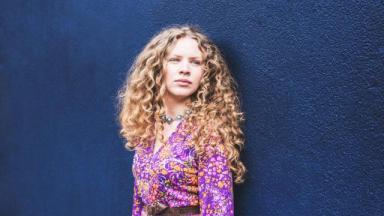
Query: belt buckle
(155, 208)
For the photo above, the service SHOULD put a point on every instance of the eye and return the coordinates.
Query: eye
(196, 62)
(173, 59)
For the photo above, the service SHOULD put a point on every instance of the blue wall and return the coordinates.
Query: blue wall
(310, 76)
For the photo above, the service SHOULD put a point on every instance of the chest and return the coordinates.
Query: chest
(177, 156)
(167, 133)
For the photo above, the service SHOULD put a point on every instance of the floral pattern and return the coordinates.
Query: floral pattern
(176, 176)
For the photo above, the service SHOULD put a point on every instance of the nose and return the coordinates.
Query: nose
(184, 68)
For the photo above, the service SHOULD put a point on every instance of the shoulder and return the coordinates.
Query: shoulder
(214, 142)
(213, 130)
(209, 124)
(140, 148)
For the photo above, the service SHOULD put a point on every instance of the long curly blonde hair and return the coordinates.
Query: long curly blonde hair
(215, 104)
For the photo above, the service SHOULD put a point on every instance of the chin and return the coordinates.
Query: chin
(180, 95)
(183, 96)
(181, 92)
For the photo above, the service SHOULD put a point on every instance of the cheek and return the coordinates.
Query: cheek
(169, 74)
(200, 76)
(198, 80)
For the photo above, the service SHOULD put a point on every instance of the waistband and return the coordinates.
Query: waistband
(158, 208)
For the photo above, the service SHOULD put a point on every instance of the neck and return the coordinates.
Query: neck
(174, 106)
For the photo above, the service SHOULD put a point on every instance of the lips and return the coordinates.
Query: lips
(185, 81)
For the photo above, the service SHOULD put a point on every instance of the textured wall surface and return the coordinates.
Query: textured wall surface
(310, 76)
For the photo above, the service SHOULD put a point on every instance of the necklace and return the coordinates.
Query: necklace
(169, 119)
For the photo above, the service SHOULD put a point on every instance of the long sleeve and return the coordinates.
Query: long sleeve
(215, 181)
(137, 203)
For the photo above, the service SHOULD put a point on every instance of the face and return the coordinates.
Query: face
(183, 69)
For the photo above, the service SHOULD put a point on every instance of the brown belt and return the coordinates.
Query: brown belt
(158, 208)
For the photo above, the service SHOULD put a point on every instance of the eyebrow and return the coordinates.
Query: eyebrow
(193, 57)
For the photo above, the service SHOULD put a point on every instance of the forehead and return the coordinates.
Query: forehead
(186, 47)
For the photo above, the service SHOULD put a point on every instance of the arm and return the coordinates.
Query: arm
(137, 203)
(215, 181)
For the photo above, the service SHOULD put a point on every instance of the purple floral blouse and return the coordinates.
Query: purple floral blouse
(176, 176)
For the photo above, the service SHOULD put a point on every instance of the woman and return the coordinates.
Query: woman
(180, 112)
